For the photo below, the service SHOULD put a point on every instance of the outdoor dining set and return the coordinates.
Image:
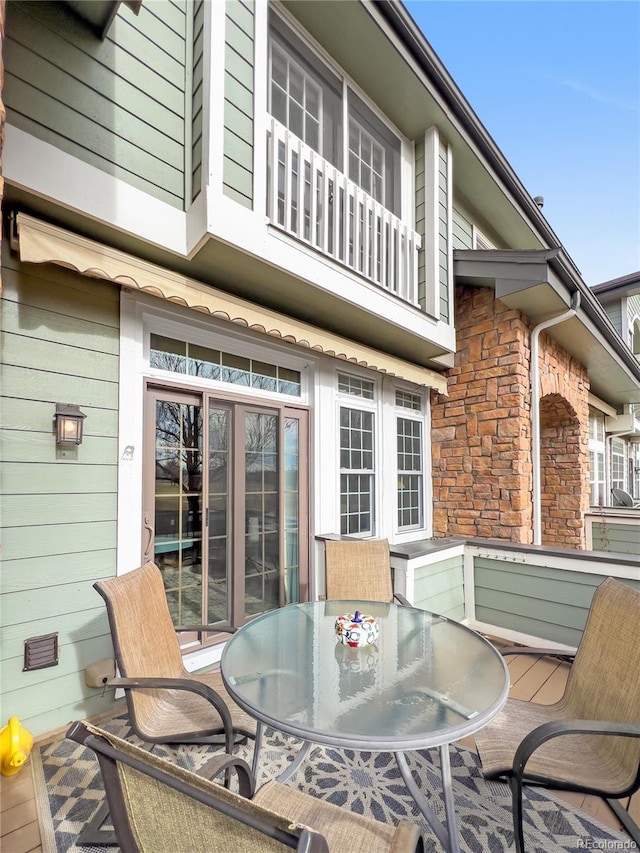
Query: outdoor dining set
(359, 670)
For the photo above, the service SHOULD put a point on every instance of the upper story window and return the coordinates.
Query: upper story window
(304, 94)
(309, 99)
(296, 98)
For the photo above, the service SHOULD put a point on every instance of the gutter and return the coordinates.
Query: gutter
(400, 21)
(592, 308)
(535, 411)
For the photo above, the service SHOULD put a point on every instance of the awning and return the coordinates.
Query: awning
(42, 243)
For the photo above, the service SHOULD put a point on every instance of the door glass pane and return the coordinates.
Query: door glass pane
(219, 516)
(261, 523)
(178, 507)
(291, 566)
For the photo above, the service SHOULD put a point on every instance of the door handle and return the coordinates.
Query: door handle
(148, 528)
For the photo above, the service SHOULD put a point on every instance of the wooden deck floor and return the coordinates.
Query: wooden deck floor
(532, 679)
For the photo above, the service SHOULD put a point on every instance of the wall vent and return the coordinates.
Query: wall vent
(40, 652)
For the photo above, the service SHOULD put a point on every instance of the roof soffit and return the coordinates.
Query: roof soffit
(381, 65)
(528, 282)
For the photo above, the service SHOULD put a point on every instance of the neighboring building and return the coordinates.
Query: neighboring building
(620, 298)
(296, 290)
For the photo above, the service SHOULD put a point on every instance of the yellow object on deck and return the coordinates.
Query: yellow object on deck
(15, 745)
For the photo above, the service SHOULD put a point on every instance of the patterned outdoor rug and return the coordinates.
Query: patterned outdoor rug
(69, 790)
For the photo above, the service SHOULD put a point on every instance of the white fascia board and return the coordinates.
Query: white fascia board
(43, 170)
(238, 226)
(603, 407)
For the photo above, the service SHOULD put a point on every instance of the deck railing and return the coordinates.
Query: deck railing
(312, 201)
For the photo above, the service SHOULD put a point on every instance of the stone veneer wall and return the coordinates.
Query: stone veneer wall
(481, 431)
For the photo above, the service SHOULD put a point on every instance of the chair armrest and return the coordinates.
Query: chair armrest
(189, 685)
(408, 838)
(223, 763)
(547, 731)
(526, 650)
(401, 599)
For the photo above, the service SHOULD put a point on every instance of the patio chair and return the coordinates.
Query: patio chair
(588, 741)
(359, 569)
(622, 498)
(157, 806)
(165, 702)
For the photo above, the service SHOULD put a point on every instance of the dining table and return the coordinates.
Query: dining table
(424, 682)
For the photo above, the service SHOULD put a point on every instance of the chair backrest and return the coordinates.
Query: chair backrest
(622, 498)
(142, 631)
(157, 805)
(358, 569)
(604, 680)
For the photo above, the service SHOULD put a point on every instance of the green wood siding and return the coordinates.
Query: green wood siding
(238, 102)
(60, 343)
(619, 538)
(116, 104)
(543, 602)
(614, 312)
(462, 231)
(440, 587)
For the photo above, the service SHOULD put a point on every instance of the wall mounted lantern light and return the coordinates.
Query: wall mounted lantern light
(68, 420)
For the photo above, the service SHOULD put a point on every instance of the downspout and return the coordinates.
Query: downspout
(535, 410)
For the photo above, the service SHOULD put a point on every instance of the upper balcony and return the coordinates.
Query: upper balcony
(340, 176)
(311, 200)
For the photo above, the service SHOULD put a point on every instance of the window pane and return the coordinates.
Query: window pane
(355, 386)
(312, 133)
(296, 85)
(313, 100)
(296, 123)
(279, 104)
(356, 489)
(410, 484)
(278, 67)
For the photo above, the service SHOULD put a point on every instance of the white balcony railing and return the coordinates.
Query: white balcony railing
(312, 201)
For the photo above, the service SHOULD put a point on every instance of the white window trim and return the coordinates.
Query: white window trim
(386, 464)
(418, 417)
(352, 401)
(237, 344)
(139, 316)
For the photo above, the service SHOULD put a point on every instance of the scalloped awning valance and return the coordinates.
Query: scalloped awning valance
(40, 242)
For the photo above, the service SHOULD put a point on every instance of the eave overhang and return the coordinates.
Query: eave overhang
(100, 14)
(541, 284)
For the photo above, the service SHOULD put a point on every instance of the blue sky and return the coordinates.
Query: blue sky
(557, 85)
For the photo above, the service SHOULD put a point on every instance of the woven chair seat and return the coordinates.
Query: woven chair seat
(344, 831)
(572, 760)
(171, 715)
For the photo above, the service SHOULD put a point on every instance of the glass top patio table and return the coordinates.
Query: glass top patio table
(427, 681)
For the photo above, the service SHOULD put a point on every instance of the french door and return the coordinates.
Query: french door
(225, 505)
